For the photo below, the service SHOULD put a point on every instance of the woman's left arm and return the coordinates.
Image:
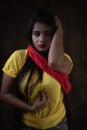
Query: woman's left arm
(56, 59)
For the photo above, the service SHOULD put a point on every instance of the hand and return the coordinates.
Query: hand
(58, 22)
(40, 102)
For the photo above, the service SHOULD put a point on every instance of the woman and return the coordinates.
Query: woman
(42, 70)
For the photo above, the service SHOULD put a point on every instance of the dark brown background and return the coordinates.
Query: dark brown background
(73, 14)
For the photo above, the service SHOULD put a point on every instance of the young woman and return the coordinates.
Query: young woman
(42, 71)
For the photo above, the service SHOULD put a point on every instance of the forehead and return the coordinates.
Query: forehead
(40, 27)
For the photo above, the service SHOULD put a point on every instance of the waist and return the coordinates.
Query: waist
(62, 125)
(44, 122)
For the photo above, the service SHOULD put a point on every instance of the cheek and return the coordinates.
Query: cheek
(33, 39)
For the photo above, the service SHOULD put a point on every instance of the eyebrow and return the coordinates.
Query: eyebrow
(41, 31)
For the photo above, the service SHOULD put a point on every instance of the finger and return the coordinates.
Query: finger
(45, 99)
(43, 95)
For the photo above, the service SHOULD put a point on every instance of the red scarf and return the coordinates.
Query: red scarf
(40, 61)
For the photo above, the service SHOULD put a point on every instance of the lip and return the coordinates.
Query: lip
(42, 46)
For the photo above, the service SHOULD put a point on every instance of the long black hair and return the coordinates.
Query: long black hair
(42, 16)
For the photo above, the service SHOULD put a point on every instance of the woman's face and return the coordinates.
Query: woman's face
(41, 36)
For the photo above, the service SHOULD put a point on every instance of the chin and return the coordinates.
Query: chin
(44, 50)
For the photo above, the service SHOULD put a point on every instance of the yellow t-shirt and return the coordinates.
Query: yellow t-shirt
(55, 111)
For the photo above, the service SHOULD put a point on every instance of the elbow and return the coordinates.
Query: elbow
(55, 62)
(52, 64)
(55, 65)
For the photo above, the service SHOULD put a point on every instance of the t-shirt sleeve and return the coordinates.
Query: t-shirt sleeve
(13, 64)
(71, 62)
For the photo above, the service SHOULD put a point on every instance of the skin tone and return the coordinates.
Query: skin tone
(40, 102)
(42, 41)
(41, 37)
(56, 59)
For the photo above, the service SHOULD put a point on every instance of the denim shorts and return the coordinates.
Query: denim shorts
(62, 126)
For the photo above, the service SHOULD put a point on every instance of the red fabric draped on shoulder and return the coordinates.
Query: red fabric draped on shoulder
(40, 61)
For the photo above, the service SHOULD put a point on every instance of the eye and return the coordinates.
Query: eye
(48, 33)
(36, 33)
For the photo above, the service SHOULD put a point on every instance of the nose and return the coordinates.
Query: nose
(42, 37)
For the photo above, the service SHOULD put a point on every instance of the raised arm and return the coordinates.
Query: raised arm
(56, 58)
